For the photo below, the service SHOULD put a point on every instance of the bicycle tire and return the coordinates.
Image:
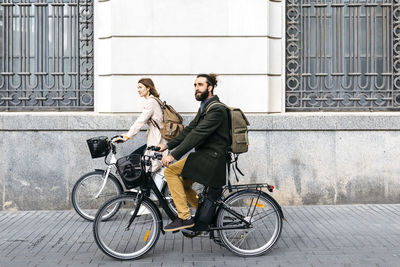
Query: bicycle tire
(83, 194)
(255, 207)
(111, 235)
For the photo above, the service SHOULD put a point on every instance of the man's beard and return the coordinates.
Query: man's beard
(203, 96)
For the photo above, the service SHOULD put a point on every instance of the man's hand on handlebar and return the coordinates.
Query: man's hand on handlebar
(162, 147)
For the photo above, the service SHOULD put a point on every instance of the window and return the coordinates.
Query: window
(46, 55)
(342, 55)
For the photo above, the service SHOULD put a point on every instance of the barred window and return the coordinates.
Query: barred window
(46, 55)
(342, 55)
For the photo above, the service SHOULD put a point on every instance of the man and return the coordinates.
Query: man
(208, 134)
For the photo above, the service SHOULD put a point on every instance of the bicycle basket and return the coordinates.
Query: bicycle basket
(99, 146)
(131, 171)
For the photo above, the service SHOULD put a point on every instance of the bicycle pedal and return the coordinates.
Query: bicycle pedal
(190, 233)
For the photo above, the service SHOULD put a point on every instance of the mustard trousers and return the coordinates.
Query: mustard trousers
(181, 189)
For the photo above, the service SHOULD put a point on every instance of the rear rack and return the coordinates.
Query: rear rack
(238, 187)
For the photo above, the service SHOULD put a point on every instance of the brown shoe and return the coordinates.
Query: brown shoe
(179, 224)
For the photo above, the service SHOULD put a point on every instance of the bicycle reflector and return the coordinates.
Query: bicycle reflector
(146, 236)
(270, 188)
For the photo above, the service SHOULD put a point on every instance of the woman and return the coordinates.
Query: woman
(152, 115)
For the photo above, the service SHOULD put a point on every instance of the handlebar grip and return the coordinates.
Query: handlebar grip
(154, 148)
(119, 141)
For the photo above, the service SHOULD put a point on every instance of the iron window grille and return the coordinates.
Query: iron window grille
(342, 55)
(46, 55)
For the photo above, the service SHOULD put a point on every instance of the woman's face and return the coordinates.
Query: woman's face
(143, 90)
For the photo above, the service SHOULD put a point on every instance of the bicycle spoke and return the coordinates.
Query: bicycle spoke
(272, 212)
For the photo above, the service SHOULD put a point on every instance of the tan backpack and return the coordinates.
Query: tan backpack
(171, 119)
(238, 126)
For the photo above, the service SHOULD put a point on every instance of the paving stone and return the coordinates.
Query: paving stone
(343, 235)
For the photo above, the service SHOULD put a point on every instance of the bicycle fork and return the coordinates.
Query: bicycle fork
(112, 162)
(104, 182)
(136, 211)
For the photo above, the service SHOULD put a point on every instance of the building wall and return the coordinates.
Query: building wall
(172, 41)
(311, 158)
(324, 158)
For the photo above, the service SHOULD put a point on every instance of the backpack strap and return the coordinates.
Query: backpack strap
(231, 159)
(162, 105)
(216, 103)
(155, 124)
(228, 167)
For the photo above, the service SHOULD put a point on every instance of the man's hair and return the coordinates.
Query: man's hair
(211, 80)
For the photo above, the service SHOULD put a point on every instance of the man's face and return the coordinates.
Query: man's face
(201, 89)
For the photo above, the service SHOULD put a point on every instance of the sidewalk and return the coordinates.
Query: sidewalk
(345, 235)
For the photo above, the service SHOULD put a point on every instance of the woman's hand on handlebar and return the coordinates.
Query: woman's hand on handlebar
(162, 147)
(119, 139)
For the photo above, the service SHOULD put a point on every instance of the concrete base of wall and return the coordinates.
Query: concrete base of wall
(311, 158)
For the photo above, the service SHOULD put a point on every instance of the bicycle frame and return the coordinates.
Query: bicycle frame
(145, 191)
(149, 185)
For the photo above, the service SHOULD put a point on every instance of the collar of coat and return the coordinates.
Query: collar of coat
(213, 100)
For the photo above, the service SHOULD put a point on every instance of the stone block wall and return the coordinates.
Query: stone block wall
(311, 158)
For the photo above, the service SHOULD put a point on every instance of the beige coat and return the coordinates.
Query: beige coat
(153, 136)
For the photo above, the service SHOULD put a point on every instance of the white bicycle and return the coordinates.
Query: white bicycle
(94, 188)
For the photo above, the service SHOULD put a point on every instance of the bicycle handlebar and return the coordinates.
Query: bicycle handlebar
(113, 150)
(116, 136)
(155, 156)
(153, 148)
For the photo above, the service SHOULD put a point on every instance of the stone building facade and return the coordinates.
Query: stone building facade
(318, 80)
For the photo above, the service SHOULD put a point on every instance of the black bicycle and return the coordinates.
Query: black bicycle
(247, 220)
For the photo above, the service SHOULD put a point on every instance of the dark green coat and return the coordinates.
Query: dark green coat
(208, 134)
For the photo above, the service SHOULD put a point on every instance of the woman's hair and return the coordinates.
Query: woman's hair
(149, 84)
(211, 79)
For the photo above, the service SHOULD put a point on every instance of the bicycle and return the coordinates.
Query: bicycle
(248, 222)
(92, 189)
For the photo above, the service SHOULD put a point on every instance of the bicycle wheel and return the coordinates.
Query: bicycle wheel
(265, 219)
(87, 187)
(115, 239)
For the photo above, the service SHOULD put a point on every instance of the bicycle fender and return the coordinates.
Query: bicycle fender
(277, 204)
